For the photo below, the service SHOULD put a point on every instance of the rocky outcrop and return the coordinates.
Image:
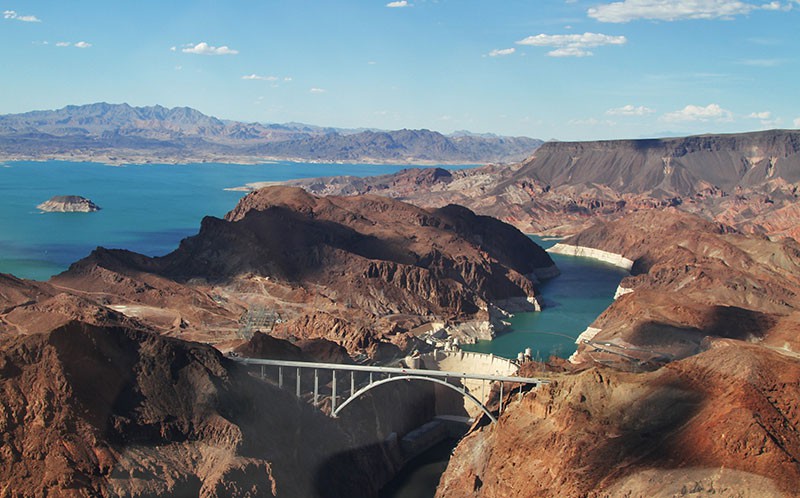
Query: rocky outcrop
(359, 271)
(68, 204)
(106, 411)
(262, 345)
(722, 422)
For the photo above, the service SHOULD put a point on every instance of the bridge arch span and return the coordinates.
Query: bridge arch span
(375, 384)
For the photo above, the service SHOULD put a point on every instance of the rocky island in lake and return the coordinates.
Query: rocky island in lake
(68, 204)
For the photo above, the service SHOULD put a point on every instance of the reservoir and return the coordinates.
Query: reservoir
(146, 208)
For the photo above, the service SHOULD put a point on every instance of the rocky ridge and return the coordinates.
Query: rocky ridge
(686, 385)
(359, 271)
(749, 181)
(119, 133)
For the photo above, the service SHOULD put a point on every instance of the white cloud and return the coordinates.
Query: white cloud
(766, 119)
(80, 44)
(502, 51)
(630, 110)
(12, 14)
(572, 45)
(317, 90)
(677, 10)
(711, 112)
(570, 52)
(796, 122)
(204, 48)
(257, 77)
(399, 4)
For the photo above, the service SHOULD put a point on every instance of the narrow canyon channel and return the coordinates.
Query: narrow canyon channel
(572, 301)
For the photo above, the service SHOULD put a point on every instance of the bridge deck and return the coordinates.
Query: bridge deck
(394, 370)
(379, 376)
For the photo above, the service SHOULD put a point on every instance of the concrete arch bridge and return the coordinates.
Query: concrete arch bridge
(340, 385)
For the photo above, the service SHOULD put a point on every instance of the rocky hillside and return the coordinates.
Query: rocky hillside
(359, 271)
(402, 146)
(750, 181)
(691, 280)
(722, 423)
(120, 133)
(107, 411)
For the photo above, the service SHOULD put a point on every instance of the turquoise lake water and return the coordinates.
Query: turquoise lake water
(572, 301)
(150, 208)
(145, 208)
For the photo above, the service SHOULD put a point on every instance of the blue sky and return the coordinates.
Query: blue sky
(563, 69)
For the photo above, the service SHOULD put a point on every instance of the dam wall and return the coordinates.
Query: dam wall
(447, 401)
(590, 252)
(468, 362)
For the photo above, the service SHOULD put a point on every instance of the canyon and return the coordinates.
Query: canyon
(686, 385)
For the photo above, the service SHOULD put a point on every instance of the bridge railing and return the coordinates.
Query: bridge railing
(363, 375)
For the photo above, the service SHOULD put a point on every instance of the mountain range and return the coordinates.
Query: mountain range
(122, 133)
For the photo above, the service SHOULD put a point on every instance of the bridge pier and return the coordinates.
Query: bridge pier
(333, 395)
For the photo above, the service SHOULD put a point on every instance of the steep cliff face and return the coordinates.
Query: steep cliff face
(359, 271)
(106, 411)
(722, 422)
